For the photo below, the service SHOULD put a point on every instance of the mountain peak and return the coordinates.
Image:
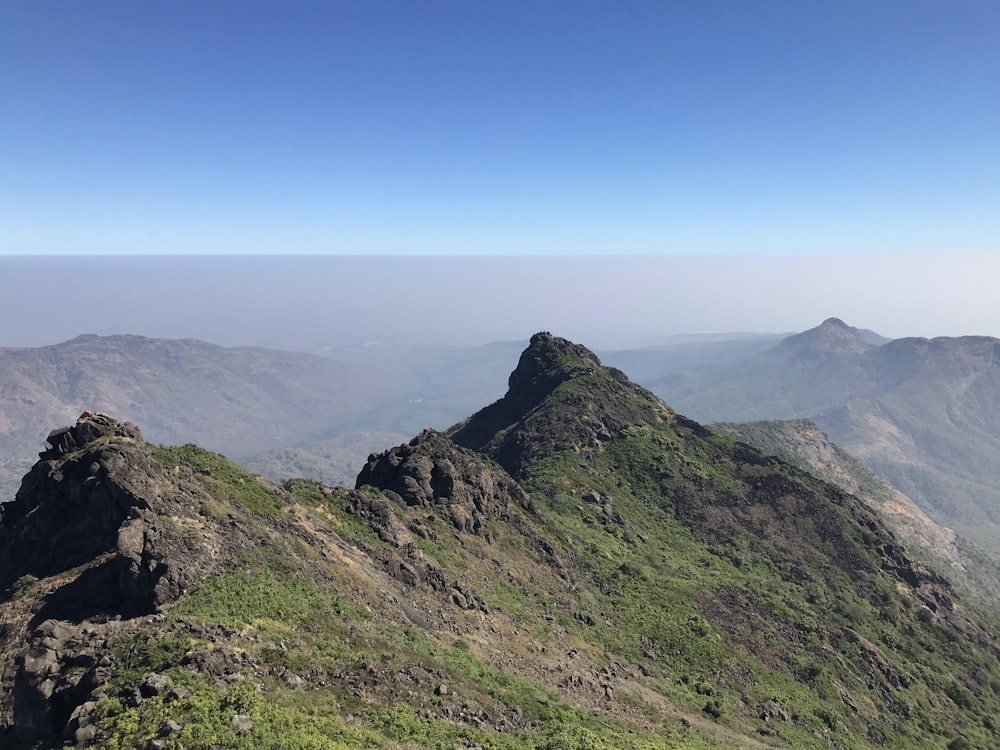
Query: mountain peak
(559, 397)
(548, 361)
(832, 336)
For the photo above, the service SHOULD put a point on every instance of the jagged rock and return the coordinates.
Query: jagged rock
(171, 727)
(219, 662)
(51, 693)
(152, 685)
(100, 511)
(772, 711)
(526, 424)
(435, 474)
(90, 494)
(377, 512)
(85, 736)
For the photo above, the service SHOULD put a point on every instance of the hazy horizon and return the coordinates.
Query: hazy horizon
(603, 302)
(297, 174)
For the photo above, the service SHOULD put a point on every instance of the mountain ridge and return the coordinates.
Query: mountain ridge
(636, 581)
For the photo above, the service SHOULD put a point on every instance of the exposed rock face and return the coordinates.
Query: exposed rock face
(74, 500)
(535, 419)
(433, 473)
(92, 492)
(97, 518)
(441, 479)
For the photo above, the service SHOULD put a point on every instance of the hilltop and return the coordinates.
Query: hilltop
(573, 566)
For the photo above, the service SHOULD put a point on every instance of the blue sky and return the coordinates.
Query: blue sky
(470, 127)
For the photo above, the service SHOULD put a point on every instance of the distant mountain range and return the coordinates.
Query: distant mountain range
(283, 413)
(241, 401)
(925, 414)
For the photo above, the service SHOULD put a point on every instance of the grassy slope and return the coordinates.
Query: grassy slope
(329, 659)
(974, 571)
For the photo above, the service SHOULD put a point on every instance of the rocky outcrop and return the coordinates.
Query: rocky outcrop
(62, 672)
(96, 490)
(438, 480)
(447, 481)
(560, 397)
(98, 534)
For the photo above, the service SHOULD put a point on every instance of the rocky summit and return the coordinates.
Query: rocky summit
(574, 566)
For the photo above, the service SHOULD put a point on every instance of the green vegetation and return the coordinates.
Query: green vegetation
(289, 615)
(23, 583)
(223, 479)
(973, 569)
(732, 566)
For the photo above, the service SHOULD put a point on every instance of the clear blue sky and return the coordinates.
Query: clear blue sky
(467, 127)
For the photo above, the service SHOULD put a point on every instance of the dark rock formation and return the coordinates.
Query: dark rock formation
(560, 397)
(448, 481)
(92, 493)
(100, 522)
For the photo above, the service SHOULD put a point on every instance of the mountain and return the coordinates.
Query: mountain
(831, 337)
(574, 566)
(238, 400)
(667, 361)
(925, 414)
(975, 572)
(280, 412)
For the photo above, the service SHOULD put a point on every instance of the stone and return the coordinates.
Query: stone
(89, 494)
(451, 483)
(152, 685)
(772, 711)
(171, 727)
(85, 736)
(241, 724)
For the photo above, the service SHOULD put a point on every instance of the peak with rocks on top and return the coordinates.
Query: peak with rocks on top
(101, 525)
(559, 397)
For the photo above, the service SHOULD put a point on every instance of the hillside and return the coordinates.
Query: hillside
(974, 571)
(925, 414)
(281, 412)
(574, 566)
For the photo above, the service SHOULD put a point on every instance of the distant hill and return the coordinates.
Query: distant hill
(283, 413)
(572, 567)
(664, 361)
(334, 461)
(241, 401)
(925, 414)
